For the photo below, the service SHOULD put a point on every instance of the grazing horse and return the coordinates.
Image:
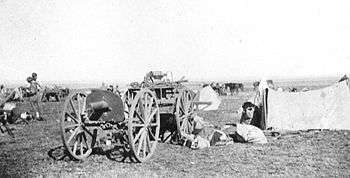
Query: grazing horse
(293, 89)
(217, 87)
(234, 87)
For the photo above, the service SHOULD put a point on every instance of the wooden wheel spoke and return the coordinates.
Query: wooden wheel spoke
(88, 132)
(73, 134)
(84, 104)
(139, 107)
(78, 102)
(72, 117)
(81, 145)
(139, 134)
(144, 144)
(138, 125)
(186, 97)
(149, 142)
(146, 111)
(74, 109)
(70, 127)
(183, 117)
(150, 106)
(188, 106)
(75, 147)
(182, 110)
(154, 112)
(139, 116)
(151, 134)
(153, 125)
(140, 143)
(182, 123)
(85, 140)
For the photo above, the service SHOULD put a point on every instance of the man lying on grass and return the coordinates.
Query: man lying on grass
(198, 134)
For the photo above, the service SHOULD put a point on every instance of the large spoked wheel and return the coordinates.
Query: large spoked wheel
(143, 125)
(77, 138)
(183, 110)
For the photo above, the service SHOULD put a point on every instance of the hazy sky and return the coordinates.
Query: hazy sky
(203, 40)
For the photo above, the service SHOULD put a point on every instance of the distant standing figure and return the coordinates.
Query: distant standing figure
(117, 91)
(37, 82)
(39, 85)
(270, 84)
(103, 87)
(256, 86)
(33, 99)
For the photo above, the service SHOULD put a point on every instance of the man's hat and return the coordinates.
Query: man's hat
(34, 74)
(248, 104)
(29, 79)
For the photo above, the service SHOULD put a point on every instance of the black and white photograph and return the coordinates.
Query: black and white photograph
(160, 88)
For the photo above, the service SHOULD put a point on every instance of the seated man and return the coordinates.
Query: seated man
(249, 129)
(251, 115)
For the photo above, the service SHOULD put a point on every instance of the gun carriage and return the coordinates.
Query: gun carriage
(135, 119)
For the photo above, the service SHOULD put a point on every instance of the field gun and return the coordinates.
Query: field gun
(85, 115)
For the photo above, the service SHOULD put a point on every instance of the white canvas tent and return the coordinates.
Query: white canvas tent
(327, 108)
(207, 99)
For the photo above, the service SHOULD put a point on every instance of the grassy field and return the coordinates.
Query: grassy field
(37, 152)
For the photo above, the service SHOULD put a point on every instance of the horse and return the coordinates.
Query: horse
(234, 87)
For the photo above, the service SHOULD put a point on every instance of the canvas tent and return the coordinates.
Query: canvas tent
(207, 99)
(326, 108)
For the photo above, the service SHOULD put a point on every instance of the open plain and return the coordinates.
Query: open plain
(37, 151)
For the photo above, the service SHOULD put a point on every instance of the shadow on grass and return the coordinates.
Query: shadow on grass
(59, 154)
(117, 153)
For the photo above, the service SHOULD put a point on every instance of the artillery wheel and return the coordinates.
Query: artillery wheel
(77, 138)
(143, 125)
(183, 110)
